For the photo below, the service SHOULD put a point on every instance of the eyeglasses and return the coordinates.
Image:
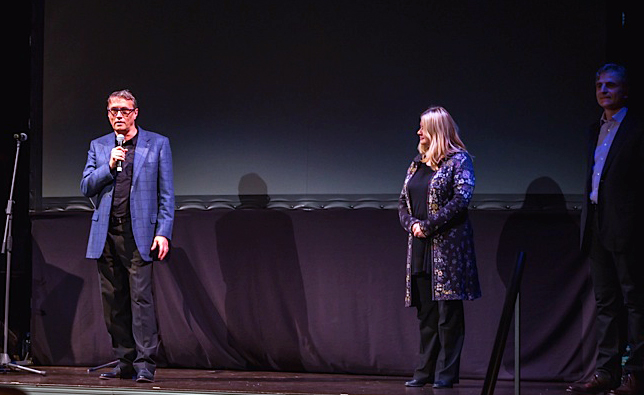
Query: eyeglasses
(124, 111)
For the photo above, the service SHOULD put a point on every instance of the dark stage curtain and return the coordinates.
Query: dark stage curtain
(317, 291)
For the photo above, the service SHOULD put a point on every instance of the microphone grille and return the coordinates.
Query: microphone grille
(120, 138)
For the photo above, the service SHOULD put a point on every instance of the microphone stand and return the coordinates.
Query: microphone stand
(5, 360)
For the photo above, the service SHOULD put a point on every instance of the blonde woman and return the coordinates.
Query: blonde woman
(441, 264)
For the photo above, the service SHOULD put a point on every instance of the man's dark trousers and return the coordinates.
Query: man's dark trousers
(128, 299)
(618, 281)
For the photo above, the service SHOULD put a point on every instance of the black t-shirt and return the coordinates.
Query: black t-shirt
(123, 183)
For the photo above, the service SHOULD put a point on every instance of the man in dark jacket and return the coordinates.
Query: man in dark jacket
(612, 230)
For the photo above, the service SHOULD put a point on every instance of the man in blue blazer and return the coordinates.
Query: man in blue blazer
(128, 178)
(612, 233)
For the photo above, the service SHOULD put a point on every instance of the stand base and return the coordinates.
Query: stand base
(6, 365)
(106, 365)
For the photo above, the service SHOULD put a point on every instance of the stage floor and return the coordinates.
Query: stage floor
(76, 380)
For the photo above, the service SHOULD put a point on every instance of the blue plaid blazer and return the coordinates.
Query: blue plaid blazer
(151, 194)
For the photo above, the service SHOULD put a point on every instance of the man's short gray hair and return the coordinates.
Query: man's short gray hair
(123, 94)
(613, 68)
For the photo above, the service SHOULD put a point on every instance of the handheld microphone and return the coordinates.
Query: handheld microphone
(20, 136)
(119, 141)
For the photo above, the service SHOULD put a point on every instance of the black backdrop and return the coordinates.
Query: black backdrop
(319, 291)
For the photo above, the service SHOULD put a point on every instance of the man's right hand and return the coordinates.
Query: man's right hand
(117, 154)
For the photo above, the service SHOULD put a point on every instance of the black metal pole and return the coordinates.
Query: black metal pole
(6, 248)
(504, 327)
(5, 359)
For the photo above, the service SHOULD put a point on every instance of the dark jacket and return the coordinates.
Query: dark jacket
(621, 187)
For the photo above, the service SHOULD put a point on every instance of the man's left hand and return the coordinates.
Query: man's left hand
(162, 244)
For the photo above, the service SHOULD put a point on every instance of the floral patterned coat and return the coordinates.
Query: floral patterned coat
(448, 229)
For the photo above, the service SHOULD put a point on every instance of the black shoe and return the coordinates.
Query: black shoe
(631, 385)
(416, 383)
(144, 376)
(118, 373)
(442, 384)
(600, 383)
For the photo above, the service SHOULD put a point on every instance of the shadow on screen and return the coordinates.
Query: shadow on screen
(551, 306)
(200, 310)
(55, 297)
(265, 300)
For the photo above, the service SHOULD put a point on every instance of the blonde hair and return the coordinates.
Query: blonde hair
(442, 132)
